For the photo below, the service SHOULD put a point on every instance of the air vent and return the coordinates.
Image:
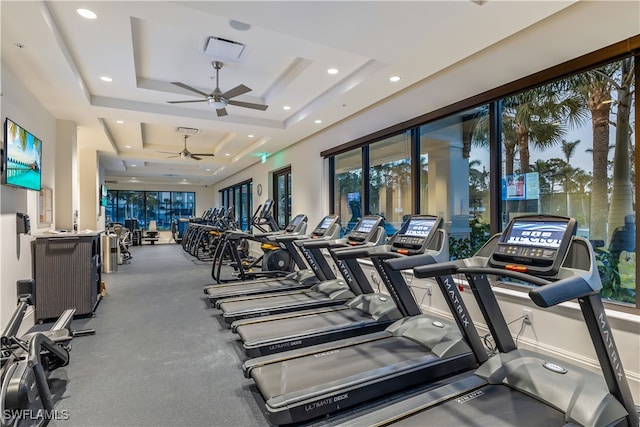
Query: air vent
(224, 49)
(187, 131)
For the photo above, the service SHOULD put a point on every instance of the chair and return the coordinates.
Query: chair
(124, 237)
(151, 235)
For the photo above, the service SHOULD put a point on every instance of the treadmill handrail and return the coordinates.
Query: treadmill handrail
(350, 252)
(314, 243)
(443, 268)
(549, 293)
(409, 262)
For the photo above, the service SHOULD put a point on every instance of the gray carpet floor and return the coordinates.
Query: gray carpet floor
(161, 356)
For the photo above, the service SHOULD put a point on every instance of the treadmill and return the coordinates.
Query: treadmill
(305, 383)
(520, 387)
(327, 229)
(368, 231)
(363, 314)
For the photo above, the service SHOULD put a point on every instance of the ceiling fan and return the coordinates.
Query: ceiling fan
(219, 100)
(186, 154)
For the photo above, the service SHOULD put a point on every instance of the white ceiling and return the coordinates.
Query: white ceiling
(145, 45)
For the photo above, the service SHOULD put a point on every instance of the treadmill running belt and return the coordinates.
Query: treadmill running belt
(250, 287)
(293, 326)
(356, 363)
(491, 405)
(271, 302)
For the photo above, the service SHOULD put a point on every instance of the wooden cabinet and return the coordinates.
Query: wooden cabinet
(67, 273)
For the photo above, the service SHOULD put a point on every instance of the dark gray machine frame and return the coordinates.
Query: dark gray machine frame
(323, 294)
(517, 387)
(327, 229)
(365, 313)
(302, 384)
(229, 243)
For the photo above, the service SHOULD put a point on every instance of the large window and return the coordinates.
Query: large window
(564, 147)
(454, 177)
(390, 186)
(348, 188)
(282, 196)
(144, 206)
(240, 197)
(568, 149)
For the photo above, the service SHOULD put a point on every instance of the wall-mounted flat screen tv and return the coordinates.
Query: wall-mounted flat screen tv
(22, 157)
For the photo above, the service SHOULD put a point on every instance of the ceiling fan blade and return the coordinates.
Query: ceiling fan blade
(203, 154)
(221, 112)
(236, 91)
(194, 157)
(184, 102)
(192, 89)
(171, 157)
(248, 105)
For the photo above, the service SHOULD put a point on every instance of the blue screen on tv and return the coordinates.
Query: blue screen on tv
(23, 157)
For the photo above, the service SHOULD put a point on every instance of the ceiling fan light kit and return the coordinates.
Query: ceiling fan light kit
(218, 99)
(186, 154)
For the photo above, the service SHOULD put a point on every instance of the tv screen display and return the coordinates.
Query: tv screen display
(548, 234)
(419, 227)
(22, 157)
(103, 195)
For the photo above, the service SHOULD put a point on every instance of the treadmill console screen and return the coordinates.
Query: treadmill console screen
(414, 234)
(534, 243)
(366, 225)
(363, 229)
(294, 223)
(419, 227)
(322, 228)
(327, 222)
(547, 234)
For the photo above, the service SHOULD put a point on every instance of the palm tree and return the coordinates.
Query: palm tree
(594, 87)
(621, 194)
(568, 149)
(537, 117)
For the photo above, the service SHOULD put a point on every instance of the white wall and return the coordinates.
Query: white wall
(22, 107)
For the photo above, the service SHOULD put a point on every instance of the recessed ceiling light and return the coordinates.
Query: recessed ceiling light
(133, 166)
(332, 71)
(286, 107)
(133, 177)
(208, 170)
(250, 135)
(394, 79)
(120, 121)
(318, 122)
(86, 13)
(184, 179)
(127, 146)
(106, 79)
(227, 154)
